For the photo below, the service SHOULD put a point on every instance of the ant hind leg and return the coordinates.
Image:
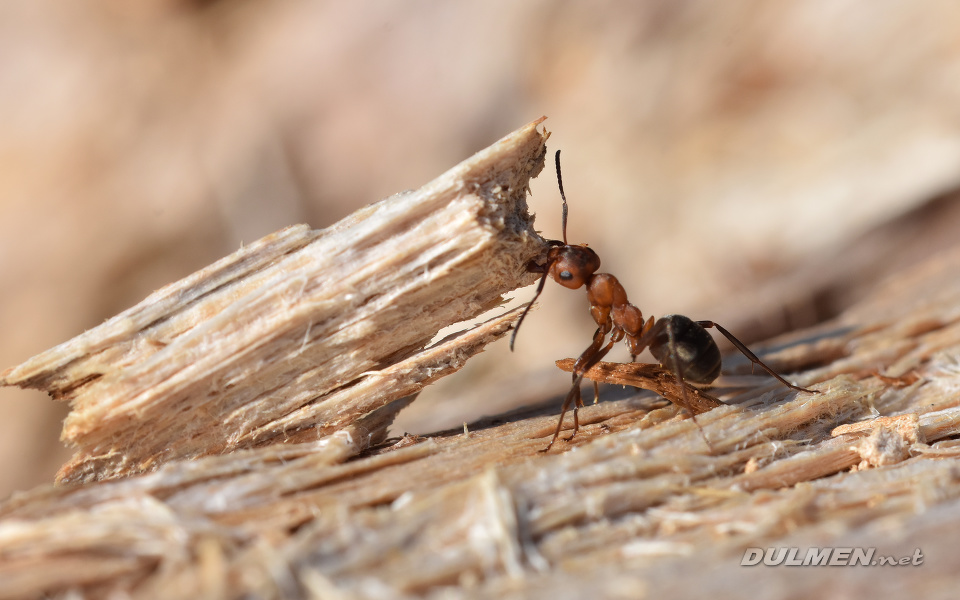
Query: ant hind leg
(753, 357)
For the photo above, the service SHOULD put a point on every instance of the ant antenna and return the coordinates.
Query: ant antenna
(564, 197)
(546, 269)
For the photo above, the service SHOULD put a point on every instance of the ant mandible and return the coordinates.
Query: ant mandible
(679, 343)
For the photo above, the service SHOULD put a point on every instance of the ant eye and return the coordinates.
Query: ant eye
(568, 270)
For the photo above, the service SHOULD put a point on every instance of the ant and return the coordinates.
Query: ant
(681, 345)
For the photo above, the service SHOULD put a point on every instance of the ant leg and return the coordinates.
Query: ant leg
(533, 267)
(596, 392)
(577, 405)
(591, 356)
(563, 411)
(523, 315)
(678, 373)
(753, 357)
(653, 330)
(577, 376)
(587, 363)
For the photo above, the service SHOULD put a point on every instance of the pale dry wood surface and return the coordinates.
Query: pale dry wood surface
(302, 332)
(637, 505)
(736, 127)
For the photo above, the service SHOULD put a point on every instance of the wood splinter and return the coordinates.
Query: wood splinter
(303, 332)
(648, 377)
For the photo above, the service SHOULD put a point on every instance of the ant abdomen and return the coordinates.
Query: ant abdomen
(691, 351)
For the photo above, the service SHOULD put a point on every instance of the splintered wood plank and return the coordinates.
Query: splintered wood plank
(302, 332)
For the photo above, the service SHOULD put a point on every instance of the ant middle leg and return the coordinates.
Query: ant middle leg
(753, 357)
(684, 347)
(572, 396)
(591, 356)
(677, 363)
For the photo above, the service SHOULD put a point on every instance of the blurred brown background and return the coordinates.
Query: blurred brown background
(707, 147)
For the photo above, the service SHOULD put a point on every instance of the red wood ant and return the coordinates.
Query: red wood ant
(680, 344)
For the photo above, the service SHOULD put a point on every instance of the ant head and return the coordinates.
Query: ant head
(569, 265)
(572, 266)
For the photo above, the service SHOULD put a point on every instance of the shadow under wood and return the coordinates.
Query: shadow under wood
(625, 404)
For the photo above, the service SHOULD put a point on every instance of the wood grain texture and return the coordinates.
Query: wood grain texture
(637, 505)
(302, 332)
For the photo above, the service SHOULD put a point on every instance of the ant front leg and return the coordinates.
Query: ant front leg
(533, 267)
(753, 357)
(591, 356)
